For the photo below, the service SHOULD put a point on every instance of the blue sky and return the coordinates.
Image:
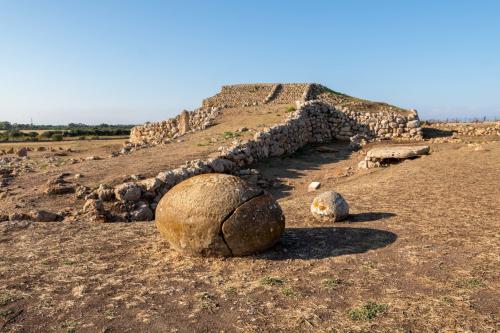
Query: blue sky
(135, 61)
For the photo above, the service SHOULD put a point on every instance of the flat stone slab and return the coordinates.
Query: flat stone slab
(399, 152)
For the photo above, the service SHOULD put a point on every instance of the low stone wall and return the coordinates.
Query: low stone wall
(167, 130)
(469, 129)
(312, 122)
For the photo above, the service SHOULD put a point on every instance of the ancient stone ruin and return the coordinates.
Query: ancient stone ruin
(317, 115)
(333, 115)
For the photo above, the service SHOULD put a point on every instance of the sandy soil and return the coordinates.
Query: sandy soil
(421, 244)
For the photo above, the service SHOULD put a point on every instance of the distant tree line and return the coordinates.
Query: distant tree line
(6, 126)
(19, 132)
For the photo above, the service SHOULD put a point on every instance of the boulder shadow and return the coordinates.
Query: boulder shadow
(323, 242)
(368, 217)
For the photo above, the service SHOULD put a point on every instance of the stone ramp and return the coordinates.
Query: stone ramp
(258, 94)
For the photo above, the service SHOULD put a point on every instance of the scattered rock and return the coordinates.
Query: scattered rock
(4, 218)
(94, 211)
(141, 213)
(367, 164)
(128, 192)
(192, 216)
(93, 206)
(330, 207)
(136, 177)
(23, 152)
(19, 217)
(93, 158)
(105, 193)
(44, 216)
(58, 189)
(313, 186)
(81, 192)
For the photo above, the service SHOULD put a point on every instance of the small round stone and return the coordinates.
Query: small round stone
(330, 206)
(219, 215)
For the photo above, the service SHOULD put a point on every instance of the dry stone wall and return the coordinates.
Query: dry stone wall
(168, 130)
(241, 95)
(312, 122)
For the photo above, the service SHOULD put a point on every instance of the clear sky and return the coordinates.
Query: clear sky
(122, 61)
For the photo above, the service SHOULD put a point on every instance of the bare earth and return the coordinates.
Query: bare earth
(27, 189)
(422, 242)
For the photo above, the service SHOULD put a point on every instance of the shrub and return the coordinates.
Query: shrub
(15, 134)
(290, 109)
(57, 137)
(230, 135)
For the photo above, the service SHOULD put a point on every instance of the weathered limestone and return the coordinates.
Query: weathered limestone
(379, 156)
(192, 215)
(313, 186)
(330, 207)
(396, 152)
(44, 216)
(128, 192)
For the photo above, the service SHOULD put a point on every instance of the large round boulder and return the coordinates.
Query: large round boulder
(330, 206)
(219, 215)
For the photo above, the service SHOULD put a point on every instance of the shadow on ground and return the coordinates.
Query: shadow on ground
(368, 217)
(307, 158)
(430, 133)
(322, 242)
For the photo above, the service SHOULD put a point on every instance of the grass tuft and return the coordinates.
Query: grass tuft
(230, 135)
(270, 281)
(288, 292)
(368, 311)
(6, 298)
(470, 283)
(333, 283)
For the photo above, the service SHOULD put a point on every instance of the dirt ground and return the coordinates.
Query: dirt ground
(26, 190)
(419, 252)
